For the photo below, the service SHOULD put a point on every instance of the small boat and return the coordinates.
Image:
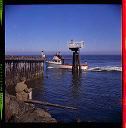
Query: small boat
(58, 62)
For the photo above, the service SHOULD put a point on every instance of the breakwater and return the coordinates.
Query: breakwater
(17, 66)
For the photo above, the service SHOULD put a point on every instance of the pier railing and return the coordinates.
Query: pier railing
(24, 58)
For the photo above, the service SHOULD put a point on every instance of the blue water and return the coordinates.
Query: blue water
(96, 95)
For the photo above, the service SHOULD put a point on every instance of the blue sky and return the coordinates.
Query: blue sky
(31, 28)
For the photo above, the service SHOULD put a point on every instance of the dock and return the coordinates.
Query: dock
(17, 66)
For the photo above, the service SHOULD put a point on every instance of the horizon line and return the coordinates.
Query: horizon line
(53, 54)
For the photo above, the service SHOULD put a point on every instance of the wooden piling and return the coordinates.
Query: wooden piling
(18, 66)
(75, 47)
(76, 61)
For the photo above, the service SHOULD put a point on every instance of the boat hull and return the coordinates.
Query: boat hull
(64, 66)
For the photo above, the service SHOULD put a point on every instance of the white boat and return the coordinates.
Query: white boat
(56, 62)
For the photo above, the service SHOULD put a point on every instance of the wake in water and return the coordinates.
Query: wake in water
(104, 69)
(107, 68)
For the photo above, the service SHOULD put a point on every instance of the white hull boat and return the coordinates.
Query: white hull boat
(58, 61)
(52, 64)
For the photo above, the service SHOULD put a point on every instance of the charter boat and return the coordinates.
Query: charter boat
(58, 62)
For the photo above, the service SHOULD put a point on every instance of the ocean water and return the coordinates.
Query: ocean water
(96, 93)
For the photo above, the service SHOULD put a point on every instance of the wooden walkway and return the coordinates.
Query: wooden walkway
(9, 58)
(18, 66)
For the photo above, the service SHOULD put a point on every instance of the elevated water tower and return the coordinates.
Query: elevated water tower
(75, 48)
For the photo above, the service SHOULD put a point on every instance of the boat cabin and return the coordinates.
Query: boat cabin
(57, 59)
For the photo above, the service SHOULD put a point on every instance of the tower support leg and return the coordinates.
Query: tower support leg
(76, 62)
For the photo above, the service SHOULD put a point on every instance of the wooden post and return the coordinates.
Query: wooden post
(76, 67)
(75, 47)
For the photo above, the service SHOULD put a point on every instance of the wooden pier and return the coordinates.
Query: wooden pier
(17, 66)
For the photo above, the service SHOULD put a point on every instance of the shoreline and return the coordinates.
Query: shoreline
(19, 112)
